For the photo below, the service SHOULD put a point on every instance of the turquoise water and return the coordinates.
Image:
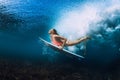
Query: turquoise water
(22, 22)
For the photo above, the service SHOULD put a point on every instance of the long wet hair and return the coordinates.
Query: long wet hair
(55, 31)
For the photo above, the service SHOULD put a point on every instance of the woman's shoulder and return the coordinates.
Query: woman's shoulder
(55, 35)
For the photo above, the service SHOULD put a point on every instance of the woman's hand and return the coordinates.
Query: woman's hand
(60, 47)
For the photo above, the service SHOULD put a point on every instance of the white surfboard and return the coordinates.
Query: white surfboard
(56, 48)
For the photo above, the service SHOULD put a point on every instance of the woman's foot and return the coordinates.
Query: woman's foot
(88, 37)
(84, 38)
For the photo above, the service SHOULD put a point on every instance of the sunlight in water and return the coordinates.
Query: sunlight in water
(75, 23)
(5, 2)
(82, 21)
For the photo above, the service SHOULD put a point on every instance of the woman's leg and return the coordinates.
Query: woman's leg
(71, 43)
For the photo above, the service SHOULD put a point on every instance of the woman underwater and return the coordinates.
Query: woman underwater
(61, 41)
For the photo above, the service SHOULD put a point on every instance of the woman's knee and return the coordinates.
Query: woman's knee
(68, 43)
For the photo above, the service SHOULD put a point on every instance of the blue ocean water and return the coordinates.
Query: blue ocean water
(22, 22)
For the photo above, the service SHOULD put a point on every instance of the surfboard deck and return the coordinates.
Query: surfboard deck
(56, 48)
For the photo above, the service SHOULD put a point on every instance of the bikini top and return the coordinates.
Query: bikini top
(57, 43)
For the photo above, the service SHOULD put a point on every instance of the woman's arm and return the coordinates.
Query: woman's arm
(63, 40)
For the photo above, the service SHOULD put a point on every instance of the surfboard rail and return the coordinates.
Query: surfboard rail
(59, 50)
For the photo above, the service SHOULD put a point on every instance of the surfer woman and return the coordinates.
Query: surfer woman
(61, 41)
